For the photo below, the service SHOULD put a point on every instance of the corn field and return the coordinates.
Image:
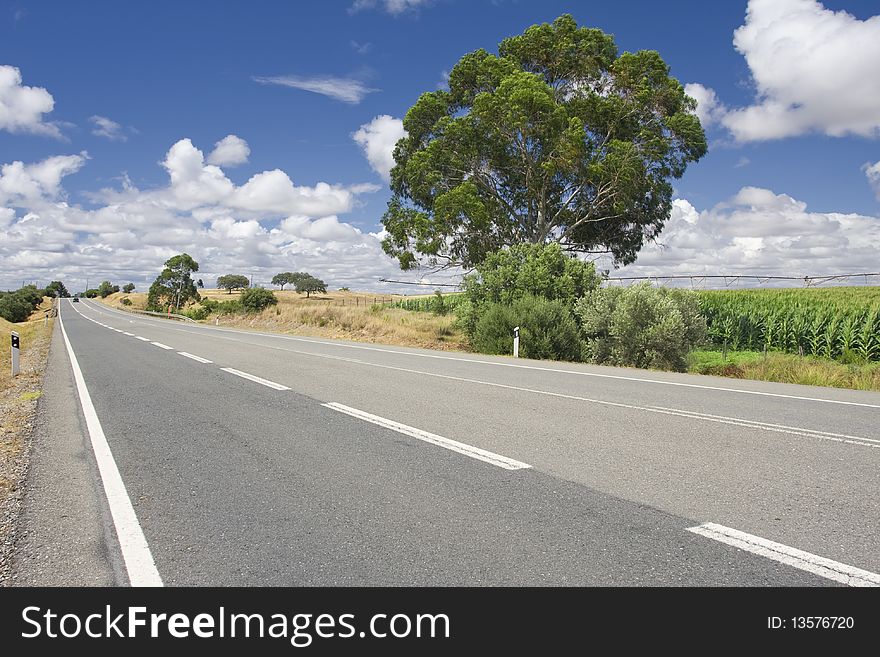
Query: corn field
(434, 304)
(842, 322)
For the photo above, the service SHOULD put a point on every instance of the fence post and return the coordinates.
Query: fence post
(516, 342)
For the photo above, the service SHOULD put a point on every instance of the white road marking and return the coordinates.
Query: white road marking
(161, 346)
(203, 328)
(827, 568)
(131, 335)
(142, 338)
(434, 439)
(135, 551)
(194, 357)
(255, 379)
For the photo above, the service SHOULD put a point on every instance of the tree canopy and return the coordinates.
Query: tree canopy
(287, 278)
(106, 288)
(128, 288)
(308, 284)
(174, 285)
(558, 138)
(231, 282)
(57, 289)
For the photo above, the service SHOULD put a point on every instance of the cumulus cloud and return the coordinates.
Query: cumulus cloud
(22, 184)
(104, 127)
(393, 7)
(229, 151)
(22, 108)
(814, 70)
(872, 171)
(347, 90)
(709, 109)
(266, 225)
(377, 139)
(760, 232)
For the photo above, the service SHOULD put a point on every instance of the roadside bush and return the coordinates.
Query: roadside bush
(640, 326)
(125, 301)
(255, 299)
(210, 304)
(547, 329)
(537, 270)
(230, 307)
(197, 313)
(14, 308)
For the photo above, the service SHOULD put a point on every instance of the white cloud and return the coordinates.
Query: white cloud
(262, 227)
(22, 184)
(377, 139)
(393, 7)
(361, 48)
(709, 109)
(108, 129)
(814, 70)
(347, 90)
(872, 171)
(760, 232)
(22, 108)
(229, 151)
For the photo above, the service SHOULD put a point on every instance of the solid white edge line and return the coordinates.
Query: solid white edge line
(194, 357)
(425, 436)
(135, 551)
(255, 379)
(161, 346)
(827, 568)
(142, 338)
(514, 365)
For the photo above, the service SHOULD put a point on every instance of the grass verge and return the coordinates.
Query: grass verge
(18, 406)
(786, 368)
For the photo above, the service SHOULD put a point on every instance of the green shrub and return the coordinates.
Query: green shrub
(210, 304)
(230, 307)
(197, 313)
(125, 301)
(15, 308)
(641, 326)
(547, 329)
(538, 270)
(255, 299)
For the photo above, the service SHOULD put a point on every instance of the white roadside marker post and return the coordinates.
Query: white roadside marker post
(15, 350)
(516, 342)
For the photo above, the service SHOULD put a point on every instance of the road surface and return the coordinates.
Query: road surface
(183, 454)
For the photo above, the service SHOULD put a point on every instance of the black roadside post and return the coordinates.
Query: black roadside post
(15, 350)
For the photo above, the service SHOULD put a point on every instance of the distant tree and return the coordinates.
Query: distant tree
(106, 288)
(128, 288)
(175, 284)
(286, 278)
(91, 294)
(256, 299)
(57, 289)
(231, 282)
(200, 284)
(344, 289)
(308, 284)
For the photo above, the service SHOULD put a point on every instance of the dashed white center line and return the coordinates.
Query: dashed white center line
(255, 379)
(194, 357)
(131, 335)
(827, 568)
(161, 346)
(139, 337)
(434, 439)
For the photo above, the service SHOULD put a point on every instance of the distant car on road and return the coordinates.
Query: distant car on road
(76, 299)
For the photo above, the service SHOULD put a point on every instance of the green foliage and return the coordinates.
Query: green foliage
(287, 278)
(210, 304)
(91, 293)
(128, 288)
(640, 326)
(838, 323)
(547, 329)
(231, 282)
(343, 289)
(558, 138)
(56, 289)
(451, 302)
(255, 299)
(530, 269)
(15, 308)
(308, 284)
(197, 313)
(125, 301)
(106, 288)
(174, 285)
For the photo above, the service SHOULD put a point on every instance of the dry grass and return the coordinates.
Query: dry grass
(18, 405)
(359, 316)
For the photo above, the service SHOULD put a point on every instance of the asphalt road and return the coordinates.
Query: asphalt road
(313, 481)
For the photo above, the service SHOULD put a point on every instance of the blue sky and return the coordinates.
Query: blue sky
(156, 73)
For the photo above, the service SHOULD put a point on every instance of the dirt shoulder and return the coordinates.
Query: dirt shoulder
(19, 398)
